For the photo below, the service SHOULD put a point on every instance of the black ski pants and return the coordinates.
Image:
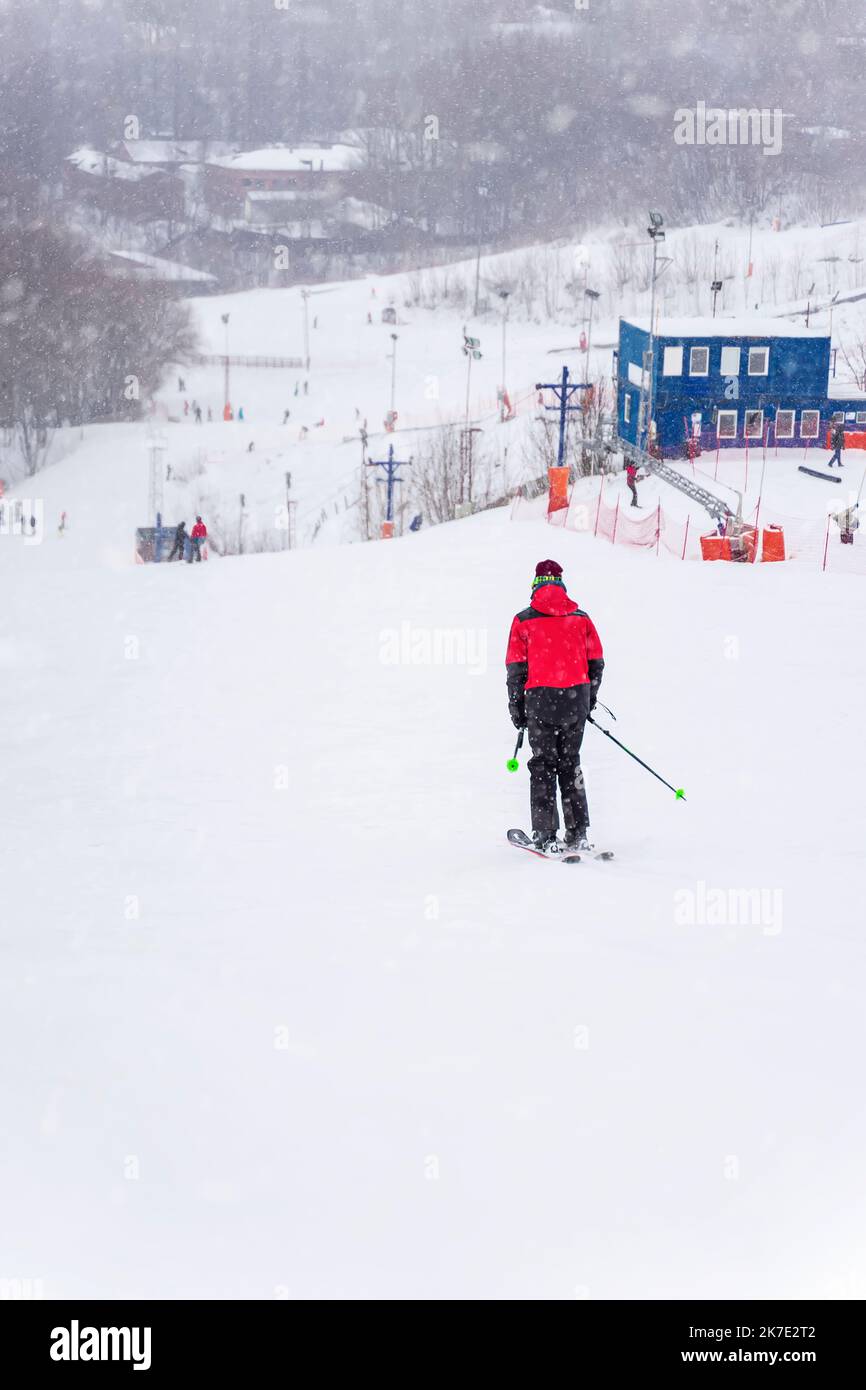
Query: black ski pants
(555, 723)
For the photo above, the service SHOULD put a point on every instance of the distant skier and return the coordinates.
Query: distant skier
(186, 407)
(62, 527)
(554, 663)
(180, 539)
(306, 388)
(198, 414)
(837, 443)
(631, 479)
(286, 416)
(297, 387)
(209, 416)
(848, 522)
(198, 536)
(251, 446)
(241, 413)
(181, 384)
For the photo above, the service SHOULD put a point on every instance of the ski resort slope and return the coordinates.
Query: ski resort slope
(282, 1013)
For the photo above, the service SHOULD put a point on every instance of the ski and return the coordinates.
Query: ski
(521, 840)
(565, 854)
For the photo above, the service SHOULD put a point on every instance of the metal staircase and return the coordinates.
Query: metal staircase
(718, 510)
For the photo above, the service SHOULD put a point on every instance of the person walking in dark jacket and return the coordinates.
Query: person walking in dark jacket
(554, 665)
(837, 443)
(179, 541)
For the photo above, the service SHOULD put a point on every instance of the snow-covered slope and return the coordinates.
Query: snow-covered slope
(282, 1011)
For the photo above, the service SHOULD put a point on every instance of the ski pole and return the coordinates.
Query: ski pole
(678, 791)
(512, 763)
(606, 710)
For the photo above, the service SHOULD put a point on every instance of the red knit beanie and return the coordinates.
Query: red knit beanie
(547, 572)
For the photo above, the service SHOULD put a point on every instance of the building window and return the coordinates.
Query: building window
(838, 417)
(784, 424)
(754, 424)
(673, 362)
(730, 361)
(696, 424)
(759, 361)
(810, 421)
(626, 407)
(861, 417)
(699, 361)
(726, 424)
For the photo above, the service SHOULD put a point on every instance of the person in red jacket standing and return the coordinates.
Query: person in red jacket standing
(554, 665)
(631, 479)
(198, 536)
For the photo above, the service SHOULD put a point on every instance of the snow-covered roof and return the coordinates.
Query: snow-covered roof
(845, 391)
(176, 151)
(293, 158)
(742, 327)
(105, 166)
(162, 269)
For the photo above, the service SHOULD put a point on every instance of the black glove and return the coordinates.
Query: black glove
(518, 713)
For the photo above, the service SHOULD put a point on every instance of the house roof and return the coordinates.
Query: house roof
(293, 159)
(741, 327)
(89, 161)
(158, 268)
(175, 151)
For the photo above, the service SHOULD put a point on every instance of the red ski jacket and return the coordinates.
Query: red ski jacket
(199, 531)
(554, 642)
(631, 471)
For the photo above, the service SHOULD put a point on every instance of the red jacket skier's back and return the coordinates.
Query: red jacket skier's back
(555, 641)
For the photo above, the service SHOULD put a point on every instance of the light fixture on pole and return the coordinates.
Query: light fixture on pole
(393, 372)
(227, 397)
(305, 296)
(482, 193)
(716, 288)
(592, 296)
(656, 232)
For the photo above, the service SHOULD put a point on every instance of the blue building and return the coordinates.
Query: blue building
(733, 383)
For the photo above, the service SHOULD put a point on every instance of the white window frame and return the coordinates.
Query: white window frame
(626, 408)
(752, 433)
(766, 370)
(729, 349)
(817, 417)
(861, 417)
(692, 352)
(736, 417)
(838, 417)
(785, 434)
(697, 421)
(670, 356)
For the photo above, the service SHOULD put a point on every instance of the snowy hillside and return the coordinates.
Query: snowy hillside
(291, 1017)
(350, 376)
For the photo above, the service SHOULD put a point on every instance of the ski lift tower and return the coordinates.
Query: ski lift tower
(156, 449)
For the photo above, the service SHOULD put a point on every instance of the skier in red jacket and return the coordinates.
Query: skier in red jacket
(198, 536)
(632, 478)
(554, 663)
